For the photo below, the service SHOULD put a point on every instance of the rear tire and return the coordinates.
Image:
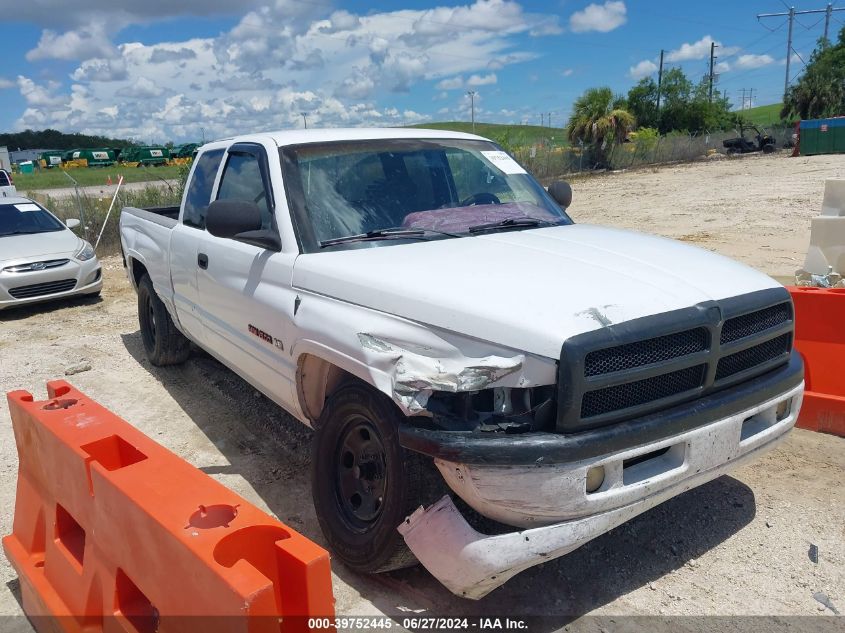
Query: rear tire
(364, 484)
(163, 343)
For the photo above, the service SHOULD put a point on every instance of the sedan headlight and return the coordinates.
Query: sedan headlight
(85, 253)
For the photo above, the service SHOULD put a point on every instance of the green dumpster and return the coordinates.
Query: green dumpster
(822, 136)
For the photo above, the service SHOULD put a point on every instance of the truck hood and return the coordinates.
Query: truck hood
(532, 289)
(38, 245)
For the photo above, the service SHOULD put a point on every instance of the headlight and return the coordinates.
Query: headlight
(85, 253)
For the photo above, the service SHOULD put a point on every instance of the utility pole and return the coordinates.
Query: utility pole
(549, 120)
(471, 94)
(660, 79)
(304, 119)
(712, 59)
(827, 13)
(542, 119)
(791, 15)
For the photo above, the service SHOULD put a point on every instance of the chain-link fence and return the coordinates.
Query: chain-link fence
(549, 159)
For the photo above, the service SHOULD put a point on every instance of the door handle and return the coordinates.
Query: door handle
(202, 260)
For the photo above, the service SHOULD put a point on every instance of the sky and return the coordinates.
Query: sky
(187, 70)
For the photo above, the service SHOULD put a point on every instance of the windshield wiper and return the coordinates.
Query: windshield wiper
(396, 233)
(510, 223)
(21, 233)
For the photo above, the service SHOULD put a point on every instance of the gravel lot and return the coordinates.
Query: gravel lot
(736, 546)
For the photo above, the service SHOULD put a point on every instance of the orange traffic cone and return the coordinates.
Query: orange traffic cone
(108, 182)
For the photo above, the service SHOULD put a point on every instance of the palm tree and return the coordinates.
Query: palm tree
(599, 119)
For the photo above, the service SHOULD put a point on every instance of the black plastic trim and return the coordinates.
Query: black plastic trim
(710, 315)
(476, 447)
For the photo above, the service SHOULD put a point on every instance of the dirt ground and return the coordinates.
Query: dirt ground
(736, 546)
(754, 208)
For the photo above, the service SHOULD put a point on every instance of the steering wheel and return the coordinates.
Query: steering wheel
(480, 198)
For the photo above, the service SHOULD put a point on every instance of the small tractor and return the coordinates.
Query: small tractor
(740, 145)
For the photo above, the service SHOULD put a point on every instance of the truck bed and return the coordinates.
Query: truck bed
(165, 216)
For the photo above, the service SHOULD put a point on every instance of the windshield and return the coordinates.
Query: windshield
(26, 218)
(444, 187)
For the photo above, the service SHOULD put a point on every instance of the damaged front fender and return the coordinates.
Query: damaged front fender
(416, 372)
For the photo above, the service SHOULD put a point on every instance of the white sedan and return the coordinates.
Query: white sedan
(41, 259)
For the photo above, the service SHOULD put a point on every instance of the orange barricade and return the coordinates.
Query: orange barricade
(113, 532)
(820, 337)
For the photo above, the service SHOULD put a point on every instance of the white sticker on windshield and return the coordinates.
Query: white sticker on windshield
(27, 207)
(504, 162)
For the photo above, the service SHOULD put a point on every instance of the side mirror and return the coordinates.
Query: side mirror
(227, 218)
(561, 192)
(240, 220)
(71, 223)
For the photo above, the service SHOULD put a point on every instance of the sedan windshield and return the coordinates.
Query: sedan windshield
(25, 218)
(368, 191)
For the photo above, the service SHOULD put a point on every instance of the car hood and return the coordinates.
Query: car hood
(38, 245)
(532, 289)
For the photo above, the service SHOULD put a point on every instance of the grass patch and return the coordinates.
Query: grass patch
(95, 208)
(92, 176)
(512, 135)
(764, 115)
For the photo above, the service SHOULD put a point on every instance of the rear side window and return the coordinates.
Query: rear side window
(242, 181)
(4, 179)
(199, 189)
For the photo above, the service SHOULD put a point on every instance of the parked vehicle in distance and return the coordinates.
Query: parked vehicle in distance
(437, 317)
(41, 259)
(101, 157)
(740, 145)
(7, 185)
(146, 156)
(51, 158)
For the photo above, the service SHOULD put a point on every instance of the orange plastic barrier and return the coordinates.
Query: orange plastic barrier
(820, 337)
(113, 532)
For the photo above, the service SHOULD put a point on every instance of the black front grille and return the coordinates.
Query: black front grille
(40, 290)
(635, 368)
(755, 322)
(653, 350)
(632, 394)
(754, 356)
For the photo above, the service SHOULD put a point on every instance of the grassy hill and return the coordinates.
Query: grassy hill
(764, 115)
(513, 135)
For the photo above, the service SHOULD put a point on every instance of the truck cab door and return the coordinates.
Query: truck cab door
(245, 290)
(185, 240)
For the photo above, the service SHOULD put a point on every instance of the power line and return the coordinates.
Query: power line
(790, 14)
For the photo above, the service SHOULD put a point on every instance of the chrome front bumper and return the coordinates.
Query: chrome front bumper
(471, 564)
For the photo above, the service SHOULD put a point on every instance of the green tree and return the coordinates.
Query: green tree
(642, 102)
(821, 90)
(599, 119)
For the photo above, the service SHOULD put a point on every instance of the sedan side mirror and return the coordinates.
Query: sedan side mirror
(240, 220)
(561, 192)
(71, 223)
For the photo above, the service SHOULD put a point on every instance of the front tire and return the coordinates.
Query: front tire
(163, 343)
(364, 484)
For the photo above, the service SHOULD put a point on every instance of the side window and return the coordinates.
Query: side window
(199, 190)
(4, 179)
(242, 181)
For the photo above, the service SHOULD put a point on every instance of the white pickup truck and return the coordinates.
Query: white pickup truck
(427, 307)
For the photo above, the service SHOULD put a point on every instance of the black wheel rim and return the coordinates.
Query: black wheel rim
(149, 330)
(360, 474)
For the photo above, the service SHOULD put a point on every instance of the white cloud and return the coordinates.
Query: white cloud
(749, 61)
(475, 81)
(643, 69)
(699, 50)
(453, 83)
(100, 70)
(567, 72)
(599, 17)
(6, 83)
(722, 67)
(279, 60)
(84, 43)
(143, 88)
